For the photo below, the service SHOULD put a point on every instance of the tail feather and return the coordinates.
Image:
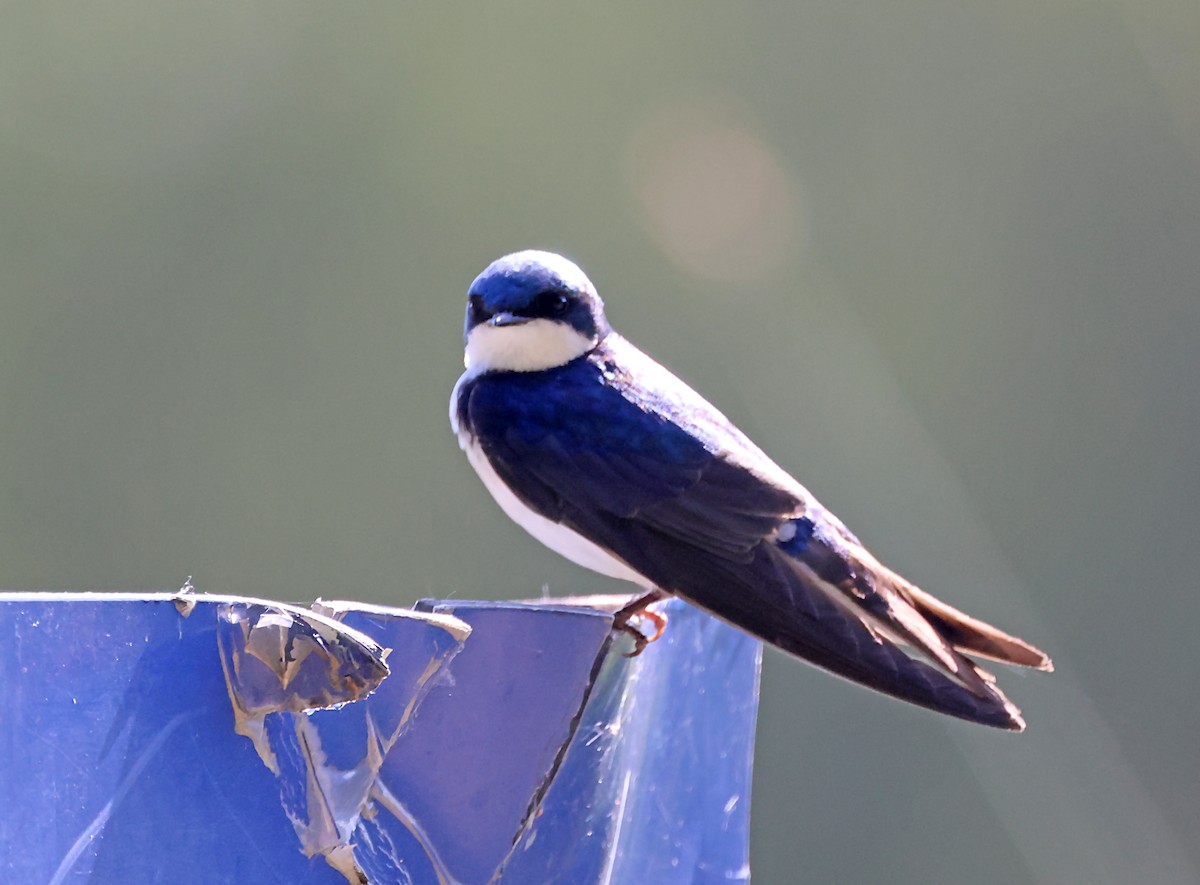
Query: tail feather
(783, 601)
(972, 636)
(832, 562)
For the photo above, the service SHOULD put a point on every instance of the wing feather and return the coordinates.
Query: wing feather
(668, 485)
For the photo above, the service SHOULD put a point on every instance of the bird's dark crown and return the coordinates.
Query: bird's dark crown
(534, 285)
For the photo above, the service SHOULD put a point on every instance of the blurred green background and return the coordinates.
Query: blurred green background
(940, 259)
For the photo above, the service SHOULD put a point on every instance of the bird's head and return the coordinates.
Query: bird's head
(531, 311)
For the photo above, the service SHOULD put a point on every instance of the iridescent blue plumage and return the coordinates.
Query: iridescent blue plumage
(514, 284)
(599, 442)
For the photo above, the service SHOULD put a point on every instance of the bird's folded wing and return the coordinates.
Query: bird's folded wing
(694, 519)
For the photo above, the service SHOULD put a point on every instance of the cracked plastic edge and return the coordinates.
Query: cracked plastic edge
(335, 797)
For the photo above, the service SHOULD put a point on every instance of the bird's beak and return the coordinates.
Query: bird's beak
(505, 318)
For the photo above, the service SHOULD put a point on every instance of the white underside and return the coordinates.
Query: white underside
(562, 540)
(534, 346)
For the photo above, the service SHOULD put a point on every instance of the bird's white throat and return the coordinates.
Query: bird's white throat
(530, 347)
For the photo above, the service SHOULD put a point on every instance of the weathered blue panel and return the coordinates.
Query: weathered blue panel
(174, 739)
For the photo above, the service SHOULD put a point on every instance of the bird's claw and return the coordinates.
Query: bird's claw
(639, 609)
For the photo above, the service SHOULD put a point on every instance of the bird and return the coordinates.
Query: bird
(606, 457)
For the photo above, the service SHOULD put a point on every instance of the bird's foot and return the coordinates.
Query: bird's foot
(639, 609)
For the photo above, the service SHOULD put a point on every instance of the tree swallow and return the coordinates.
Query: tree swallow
(607, 458)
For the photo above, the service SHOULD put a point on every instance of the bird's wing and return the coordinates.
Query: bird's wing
(684, 499)
(566, 442)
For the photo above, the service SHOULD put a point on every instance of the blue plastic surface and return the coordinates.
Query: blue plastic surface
(656, 784)
(189, 739)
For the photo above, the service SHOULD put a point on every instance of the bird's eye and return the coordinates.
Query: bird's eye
(553, 303)
(475, 309)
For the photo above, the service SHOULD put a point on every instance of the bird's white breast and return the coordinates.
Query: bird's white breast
(559, 538)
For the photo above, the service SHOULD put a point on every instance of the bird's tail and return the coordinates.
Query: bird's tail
(815, 591)
(830, 560)
(974, 637)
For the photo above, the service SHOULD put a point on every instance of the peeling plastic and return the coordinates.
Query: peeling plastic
(280, 660)
(328, 761)
(197, 738)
